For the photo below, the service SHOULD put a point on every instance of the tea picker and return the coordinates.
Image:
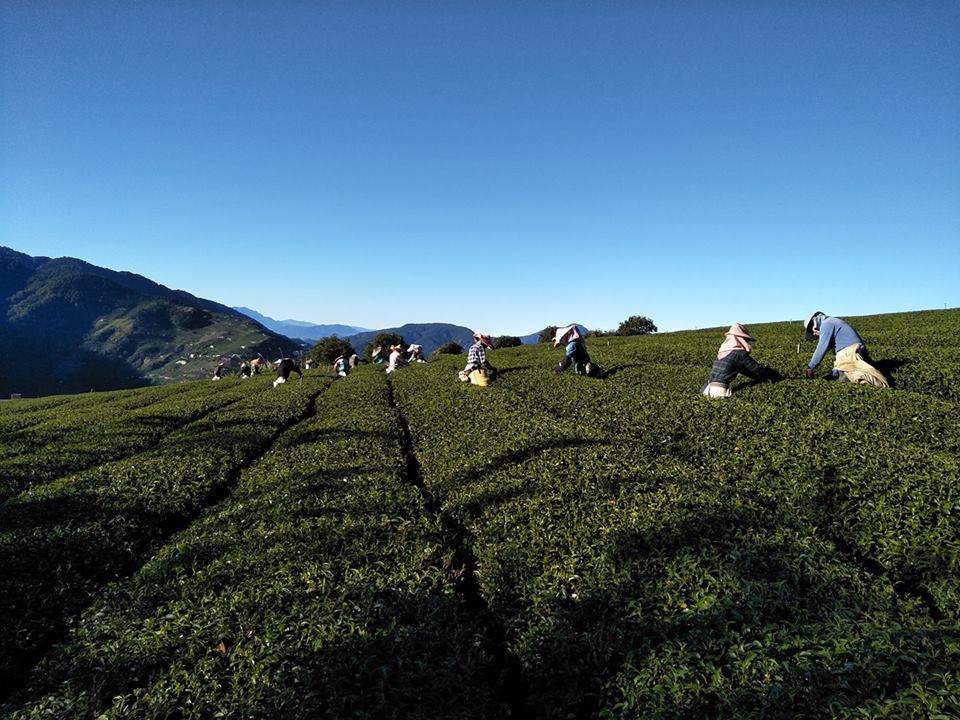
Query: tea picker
(478, 369)
(396, 358)
(416, 354)
(851, 361)
(733, 358)
(285, 366)
(576, 352)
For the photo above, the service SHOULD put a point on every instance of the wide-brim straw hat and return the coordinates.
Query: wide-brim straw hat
(483, 339)
(396, 348)
(738, 330)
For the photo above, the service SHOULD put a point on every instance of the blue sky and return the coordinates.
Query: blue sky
(499, 165)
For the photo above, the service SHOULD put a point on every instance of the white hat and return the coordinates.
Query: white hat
(810, 324)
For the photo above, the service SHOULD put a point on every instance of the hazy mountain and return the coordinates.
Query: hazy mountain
(69, 326)
(299, 328)
(429, 335)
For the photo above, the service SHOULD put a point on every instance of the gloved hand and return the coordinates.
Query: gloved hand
(809, 374)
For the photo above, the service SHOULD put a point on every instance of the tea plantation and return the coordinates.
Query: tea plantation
(407, 546)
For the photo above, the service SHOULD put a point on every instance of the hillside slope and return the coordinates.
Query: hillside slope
(406, 545)
(69, 326)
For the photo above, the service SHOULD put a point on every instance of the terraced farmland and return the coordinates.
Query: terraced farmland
(547, 547)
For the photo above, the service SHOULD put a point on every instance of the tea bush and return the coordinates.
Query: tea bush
(63, 540)
(82, 435)
(315, 590)
(548, 546)
(631, 557)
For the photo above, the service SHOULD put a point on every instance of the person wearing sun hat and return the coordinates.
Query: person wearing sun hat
(733, 358)
(851, 361)
(396, 358)
(285, 366)
(340, 366)
(416, 354)
(477, 360)
(576, 352)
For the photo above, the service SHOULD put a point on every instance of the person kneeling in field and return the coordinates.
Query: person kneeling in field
(851, 361)
(416, 354)
(478, 369)
(576, 352)
(285, 366)
(734, 358)
(397, 360)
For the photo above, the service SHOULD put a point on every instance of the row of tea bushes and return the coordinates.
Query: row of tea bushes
(75, 436)
(63, 540)
(316, 589)
(18, 414)
(26, 425)
(623, 548)
(874, 470)
(638, 592)
(637, 578)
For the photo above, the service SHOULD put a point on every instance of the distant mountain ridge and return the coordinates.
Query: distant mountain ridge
(69, 326)
(429, 335)
(299, 328)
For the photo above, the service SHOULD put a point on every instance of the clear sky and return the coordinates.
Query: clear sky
(499, 165)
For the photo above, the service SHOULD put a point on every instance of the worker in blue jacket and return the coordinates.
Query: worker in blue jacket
(851, 361)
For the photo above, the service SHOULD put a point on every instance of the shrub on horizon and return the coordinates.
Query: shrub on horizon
(328, 349)
(636, 325)
(384, 340)
(547, 334)
(449, 348)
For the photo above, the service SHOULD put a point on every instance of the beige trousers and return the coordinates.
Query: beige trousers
(851, 363)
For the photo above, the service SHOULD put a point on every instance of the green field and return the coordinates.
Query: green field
(547, 547)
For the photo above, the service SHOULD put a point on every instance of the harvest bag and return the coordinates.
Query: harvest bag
(480, 377)
(851, 362)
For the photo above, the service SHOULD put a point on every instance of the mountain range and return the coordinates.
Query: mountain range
(429, 335)
(301, 329)
(69, 326)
